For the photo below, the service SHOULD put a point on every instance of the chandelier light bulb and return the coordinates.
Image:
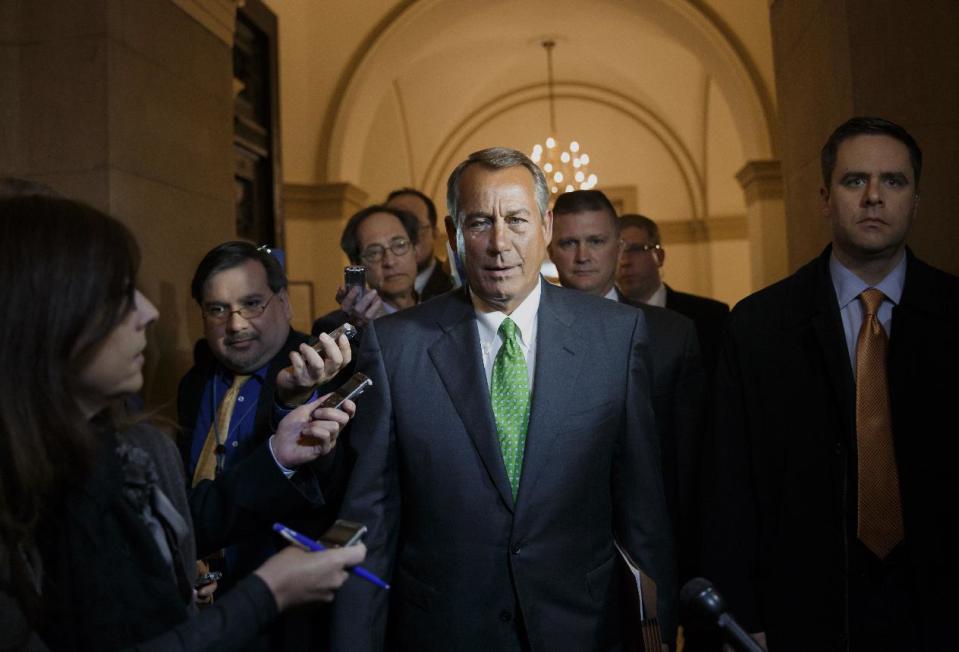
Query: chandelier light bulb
(563, 163)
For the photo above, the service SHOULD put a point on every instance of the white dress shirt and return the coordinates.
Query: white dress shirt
(658, 297)
(488, 323)
(420, 281)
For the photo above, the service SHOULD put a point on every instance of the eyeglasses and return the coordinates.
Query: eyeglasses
(635, 249)
(251, 309)
(374, 253)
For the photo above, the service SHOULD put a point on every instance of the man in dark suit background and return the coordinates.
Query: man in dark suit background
(494, 511)
(431, 279)
(832, 520)
(383, 239)
(639, 278)
(585, 249)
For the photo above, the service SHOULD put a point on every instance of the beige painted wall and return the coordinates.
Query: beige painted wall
(418, 85)
(127, 105)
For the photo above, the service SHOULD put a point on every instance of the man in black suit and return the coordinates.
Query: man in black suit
(241, 291)
(832, 520)
(493, 510)
(585, 249)
(639, 277)
(431, 279)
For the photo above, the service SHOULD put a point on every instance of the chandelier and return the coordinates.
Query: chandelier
(565, 165)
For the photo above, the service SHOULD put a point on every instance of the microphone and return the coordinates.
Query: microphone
(702, 605)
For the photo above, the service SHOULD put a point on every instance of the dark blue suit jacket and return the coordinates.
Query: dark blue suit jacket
(467, 562)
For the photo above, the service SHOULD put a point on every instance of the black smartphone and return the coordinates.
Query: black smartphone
(342, 534)
(355, 276)
(207, 578)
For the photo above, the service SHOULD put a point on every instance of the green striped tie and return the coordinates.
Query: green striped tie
(510, 393)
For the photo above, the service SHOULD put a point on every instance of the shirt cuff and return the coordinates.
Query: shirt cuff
(286, 472)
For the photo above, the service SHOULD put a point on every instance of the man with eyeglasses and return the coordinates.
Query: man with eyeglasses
(585, 249)
(250, 370)
(431, 279)
(383, 240)
(639, 278)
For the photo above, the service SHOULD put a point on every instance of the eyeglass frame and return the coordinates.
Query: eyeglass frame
(629, 249)
(225, 317)
(403, 243)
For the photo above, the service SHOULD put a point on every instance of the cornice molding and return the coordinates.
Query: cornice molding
(217, 16)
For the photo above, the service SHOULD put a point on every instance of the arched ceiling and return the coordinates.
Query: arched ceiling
(441, 63)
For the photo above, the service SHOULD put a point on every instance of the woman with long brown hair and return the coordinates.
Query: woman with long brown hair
(97, 547)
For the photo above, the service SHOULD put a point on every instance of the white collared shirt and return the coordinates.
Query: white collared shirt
(658, 297)
(420, 281)
(612, 294)
(488, 323)
(848, 287)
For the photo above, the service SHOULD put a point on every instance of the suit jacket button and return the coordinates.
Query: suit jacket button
(517, 548)
(505, 616)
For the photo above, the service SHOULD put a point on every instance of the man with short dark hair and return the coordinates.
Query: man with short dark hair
(640, 278)
(249, 371)
(431, 279)
(493, 509)
(585, 249)
(382, 239)
(831, 520)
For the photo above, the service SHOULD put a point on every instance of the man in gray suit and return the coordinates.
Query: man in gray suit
(493, 513)
(585, 249)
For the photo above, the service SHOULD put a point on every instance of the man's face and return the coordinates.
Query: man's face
(638, 274)
(585, 249)
(425, 236)
(244, 345)
(871, 200)
(393, 274)
(502, 235)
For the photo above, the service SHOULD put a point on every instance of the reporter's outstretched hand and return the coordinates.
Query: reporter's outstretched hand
(297, 577)
(307, 369)
(361, 310)
(309, 432)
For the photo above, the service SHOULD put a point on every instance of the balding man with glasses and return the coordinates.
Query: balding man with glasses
(383, 240)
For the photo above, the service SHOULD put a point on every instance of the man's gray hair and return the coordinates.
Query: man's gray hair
(497, 158)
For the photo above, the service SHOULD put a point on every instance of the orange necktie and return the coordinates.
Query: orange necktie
(219, 432)
(880, 507)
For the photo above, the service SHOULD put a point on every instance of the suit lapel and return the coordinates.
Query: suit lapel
(554, 386)
(457, 358)
(827, 326)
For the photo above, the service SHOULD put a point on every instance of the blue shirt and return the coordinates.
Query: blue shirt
(242, 421)
(848, 287)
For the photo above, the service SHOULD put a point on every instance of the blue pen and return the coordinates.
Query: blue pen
(310, 545)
